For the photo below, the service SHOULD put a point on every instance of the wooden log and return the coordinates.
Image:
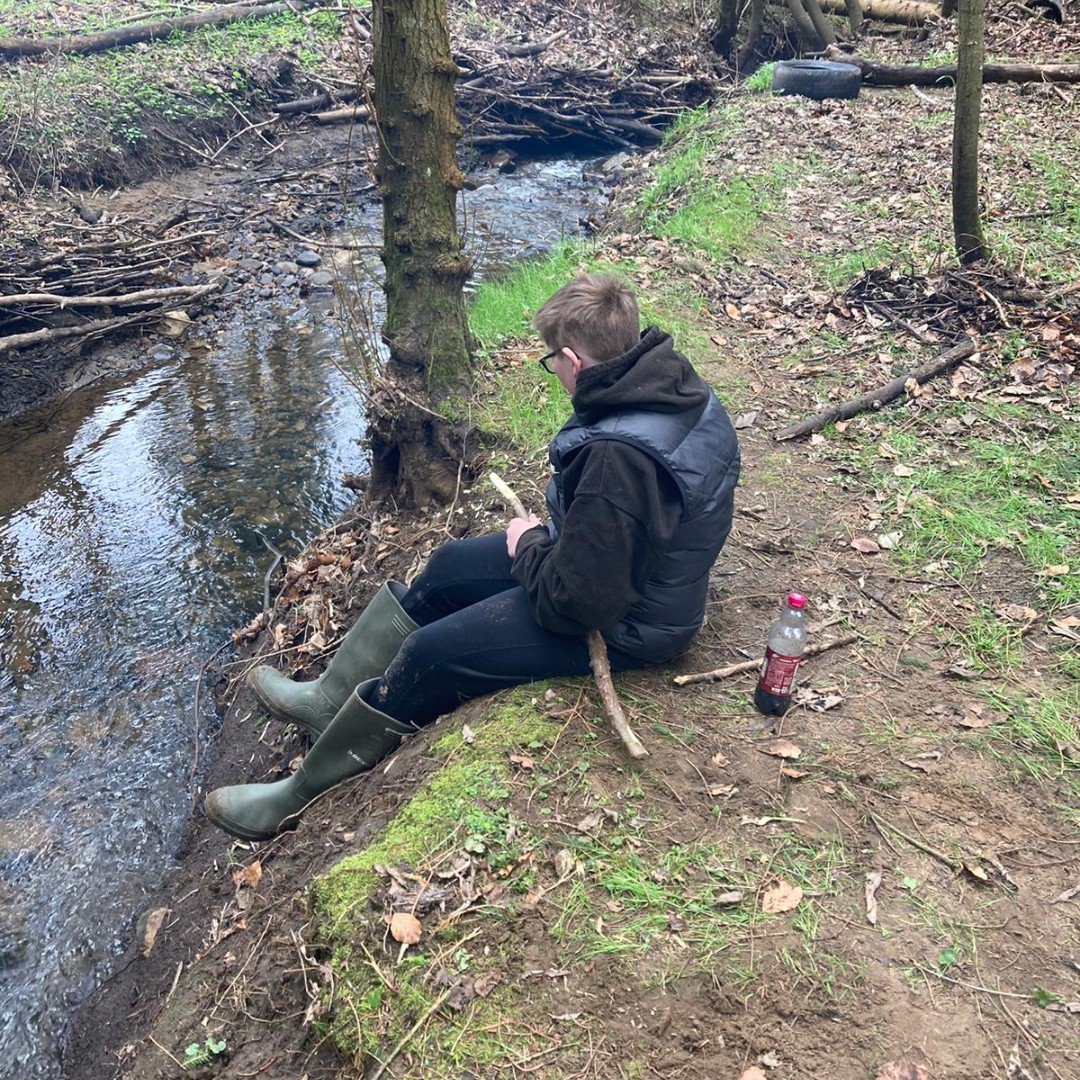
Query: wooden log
(50, 334)
(901, 11)
(341, 116)
(131, 35)
(875, 399)
(875, 74)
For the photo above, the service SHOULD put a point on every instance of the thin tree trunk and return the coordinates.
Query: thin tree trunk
(855, 16)
(822, 26)
(807, 34)
(753, 33)
(967, 222)
(414, 452)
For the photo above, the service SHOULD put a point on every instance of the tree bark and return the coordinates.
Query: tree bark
(131, 35)
(967, 221)
(414, 453)
(855, 16)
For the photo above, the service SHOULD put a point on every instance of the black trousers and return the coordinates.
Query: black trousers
(476, 636)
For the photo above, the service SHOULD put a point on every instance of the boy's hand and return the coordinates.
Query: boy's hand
(516, 527)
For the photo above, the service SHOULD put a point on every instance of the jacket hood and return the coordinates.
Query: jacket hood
(652, 377)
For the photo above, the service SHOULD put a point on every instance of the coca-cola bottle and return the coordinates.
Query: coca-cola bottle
(783, 651)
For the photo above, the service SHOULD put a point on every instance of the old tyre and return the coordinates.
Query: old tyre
(817, 79)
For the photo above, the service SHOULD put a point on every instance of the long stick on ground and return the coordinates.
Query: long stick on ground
(753, 665)
(598, 655)
(874, 399)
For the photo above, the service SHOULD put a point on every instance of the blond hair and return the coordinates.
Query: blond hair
(595, 314)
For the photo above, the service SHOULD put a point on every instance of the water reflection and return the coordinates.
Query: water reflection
(133, 529)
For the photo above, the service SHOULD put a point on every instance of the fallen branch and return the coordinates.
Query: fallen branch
(141, 296)
(875, 74)
(51, 334)
(341, 116)
(131, 35)
(598, 654)
(754, 665)
(875, 399)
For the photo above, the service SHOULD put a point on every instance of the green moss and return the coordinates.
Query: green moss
(462, 803)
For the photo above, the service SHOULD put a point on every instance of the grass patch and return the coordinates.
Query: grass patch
(78, 117)
(840, 270)
(985, 496)
(462, 807)
(691, 203)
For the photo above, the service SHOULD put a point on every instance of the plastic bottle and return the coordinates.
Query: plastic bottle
(783, 651)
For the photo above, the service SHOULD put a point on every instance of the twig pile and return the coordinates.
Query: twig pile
(70, 280)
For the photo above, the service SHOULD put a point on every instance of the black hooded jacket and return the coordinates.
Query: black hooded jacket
(623, 495)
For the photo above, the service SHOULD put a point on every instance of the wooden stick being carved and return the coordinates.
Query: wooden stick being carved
(598, 654)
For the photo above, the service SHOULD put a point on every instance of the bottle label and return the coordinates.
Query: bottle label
(778, 673)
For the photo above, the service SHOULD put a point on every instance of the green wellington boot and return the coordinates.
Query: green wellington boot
(357, 739)
(364, 653)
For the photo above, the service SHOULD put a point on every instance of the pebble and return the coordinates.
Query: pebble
(322, 277)
(308, 258)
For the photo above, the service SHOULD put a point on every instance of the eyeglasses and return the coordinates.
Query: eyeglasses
(545, 361)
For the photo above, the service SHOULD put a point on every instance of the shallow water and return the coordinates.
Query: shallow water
(135, 521)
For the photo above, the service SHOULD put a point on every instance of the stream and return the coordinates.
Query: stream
(135, 520)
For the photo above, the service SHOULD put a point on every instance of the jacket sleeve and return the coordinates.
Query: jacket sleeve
(621, 516)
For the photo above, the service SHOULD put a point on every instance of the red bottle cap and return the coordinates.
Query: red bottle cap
(796, 600)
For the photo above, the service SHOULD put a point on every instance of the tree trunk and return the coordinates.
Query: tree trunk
(807, 34)
(753, 33)
(822, 26)
(855, 16)
(414, 453)
(725, 28)
(967, 223)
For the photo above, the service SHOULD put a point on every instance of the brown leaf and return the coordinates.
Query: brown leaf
(753, 1073)
(977, 872)
(901, 1070)
(467, 733)
(782, 748)
(523, 761)
(250, 875)
(149, 926)
(1016, 613)
(732, 312)
(405, 927)
(745, 420)
(865, 545)
(724, 791)
(976, 718)
(793, 774)
(733, 897)
(783, 897)
(873, 883)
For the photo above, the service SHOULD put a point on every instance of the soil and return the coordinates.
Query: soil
(890, 779)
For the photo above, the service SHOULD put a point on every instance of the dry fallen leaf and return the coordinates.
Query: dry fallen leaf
(753, 1073)
(782, 748)
(467, 733)
(523, 761)
(733, 897)
(149, 926)
(793, 774)
(745, 420)
(723, 791)
(1059, 570)
(901, 1070)
(783, 897)
(1016, 613)
(250, 875)
(865, 546)
(732, 311)
(873, 883)
(405, 927)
